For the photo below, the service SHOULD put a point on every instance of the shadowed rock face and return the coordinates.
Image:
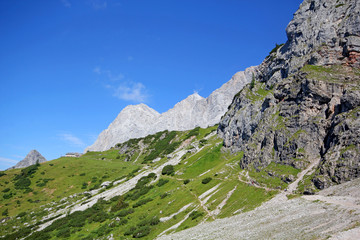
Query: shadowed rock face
(31, 158)
(305, 104)
(141, 120)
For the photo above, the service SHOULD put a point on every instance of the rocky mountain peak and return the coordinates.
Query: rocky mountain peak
(136, 121)
(31, 158)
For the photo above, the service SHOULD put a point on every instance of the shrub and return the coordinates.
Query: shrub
(206, 180)
(167, 170)
(130, 231)
(22, 214)
(6, 190)
(121, 204)
(152, 175)
(195, 214)
(193, 132)
(123, 222)
(162, 182)
(84, 185)
(2, 173)
(63, 233)
(142, 202)
(5, 212)
(252, 84)
(22, 183)
(141, 232)
(82, 174)
(7, 195)
(125, 212)
(186, 181)
(163, 195)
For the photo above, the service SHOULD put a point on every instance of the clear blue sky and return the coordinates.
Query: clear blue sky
(67, 67)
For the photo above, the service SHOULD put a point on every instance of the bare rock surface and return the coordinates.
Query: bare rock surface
(31, 158)
(136, 121)
(305, 102)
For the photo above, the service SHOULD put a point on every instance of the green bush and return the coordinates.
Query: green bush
(141, 232)
(5, 212)
(121, 204)
(168, 170)
(22, 183)
(2, 173)
(195, 214)
(162, 182)
(130, 231)
(7, 195)
(63, 233)
(186, 181)
(164, 195)
(142, 202)
(22, 214)
(206, 180)
(125, 212)
(193, 132)
(6, 190)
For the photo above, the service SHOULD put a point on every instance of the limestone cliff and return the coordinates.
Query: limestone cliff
(304, 104)
(141, 120)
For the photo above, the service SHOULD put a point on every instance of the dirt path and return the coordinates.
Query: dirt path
(293, 186)
(252, 182)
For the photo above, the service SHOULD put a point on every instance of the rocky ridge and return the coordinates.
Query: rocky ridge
(31, 158)
(136, 121)
(304, 105)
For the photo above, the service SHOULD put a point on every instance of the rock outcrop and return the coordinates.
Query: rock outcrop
(136, 121)
(304, 106)
(31, 158)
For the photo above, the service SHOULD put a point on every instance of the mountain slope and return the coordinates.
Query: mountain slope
(141, 120)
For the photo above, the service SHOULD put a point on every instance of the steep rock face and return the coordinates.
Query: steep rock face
(141, 120)
(31, 158)
(131, 122)
(298, 113)
(322, 32)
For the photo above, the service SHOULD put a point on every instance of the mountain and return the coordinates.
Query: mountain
(136, 121)
(303, 108)
(283, 163)
(31, 158)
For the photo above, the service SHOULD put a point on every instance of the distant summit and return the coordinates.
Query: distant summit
(31, 158)
(136, 121)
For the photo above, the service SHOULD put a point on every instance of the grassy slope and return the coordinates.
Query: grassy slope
(70, 174)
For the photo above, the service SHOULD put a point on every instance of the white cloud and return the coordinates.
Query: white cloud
(109, 75)
(66, 3)
(135, 92)
(99, 4)
(71, 139)
(8, 161)
(126, 90)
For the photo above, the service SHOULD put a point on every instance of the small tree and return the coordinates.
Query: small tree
(252, 84)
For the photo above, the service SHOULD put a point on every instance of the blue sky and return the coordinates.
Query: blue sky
(67, 68)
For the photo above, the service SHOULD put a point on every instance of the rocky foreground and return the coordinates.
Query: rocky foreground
(333, 213)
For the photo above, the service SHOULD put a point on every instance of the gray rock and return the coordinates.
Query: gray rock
(294, 115)
(141, 120)
(31, 158)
